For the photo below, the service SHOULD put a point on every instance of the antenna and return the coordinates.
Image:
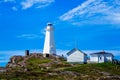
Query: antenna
(76, 39)
(75, 43)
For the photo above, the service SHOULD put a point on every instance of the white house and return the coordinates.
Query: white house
(101, 57)
(76, 56)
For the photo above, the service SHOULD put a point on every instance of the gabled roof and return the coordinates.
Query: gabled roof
(73, 50)
(102, 52)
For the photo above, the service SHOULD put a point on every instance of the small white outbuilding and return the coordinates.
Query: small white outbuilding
(76, 56)
(101, 57)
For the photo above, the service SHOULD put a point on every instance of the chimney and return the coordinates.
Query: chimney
(103, 51)
(27, 53)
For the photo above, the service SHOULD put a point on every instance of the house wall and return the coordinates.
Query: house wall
(108, 57)
(100, 58)
(94, 58)
(77, 56)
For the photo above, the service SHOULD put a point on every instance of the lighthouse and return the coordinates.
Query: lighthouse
(49, 44)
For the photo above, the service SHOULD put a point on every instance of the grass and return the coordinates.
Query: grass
(86, 71)
(92, 69)
(38, 61)
(33, 64)
(75, 72)
(108, 67)
(19, 60)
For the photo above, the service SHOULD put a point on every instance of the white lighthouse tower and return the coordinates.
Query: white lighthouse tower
(49, 45)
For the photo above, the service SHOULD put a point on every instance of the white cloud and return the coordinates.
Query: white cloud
(94, 12)
(25, 4)
(29, 36)
(5, 55)
(62, 52)
(115, 52)
(8, 53)
(38, 3)
(3, 61)
(14, 8)
(43, 31)
(9, 0)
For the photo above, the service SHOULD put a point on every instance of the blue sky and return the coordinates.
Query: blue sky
(90, 25)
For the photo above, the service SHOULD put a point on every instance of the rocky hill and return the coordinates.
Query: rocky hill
(35, 61)
(37, 67)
